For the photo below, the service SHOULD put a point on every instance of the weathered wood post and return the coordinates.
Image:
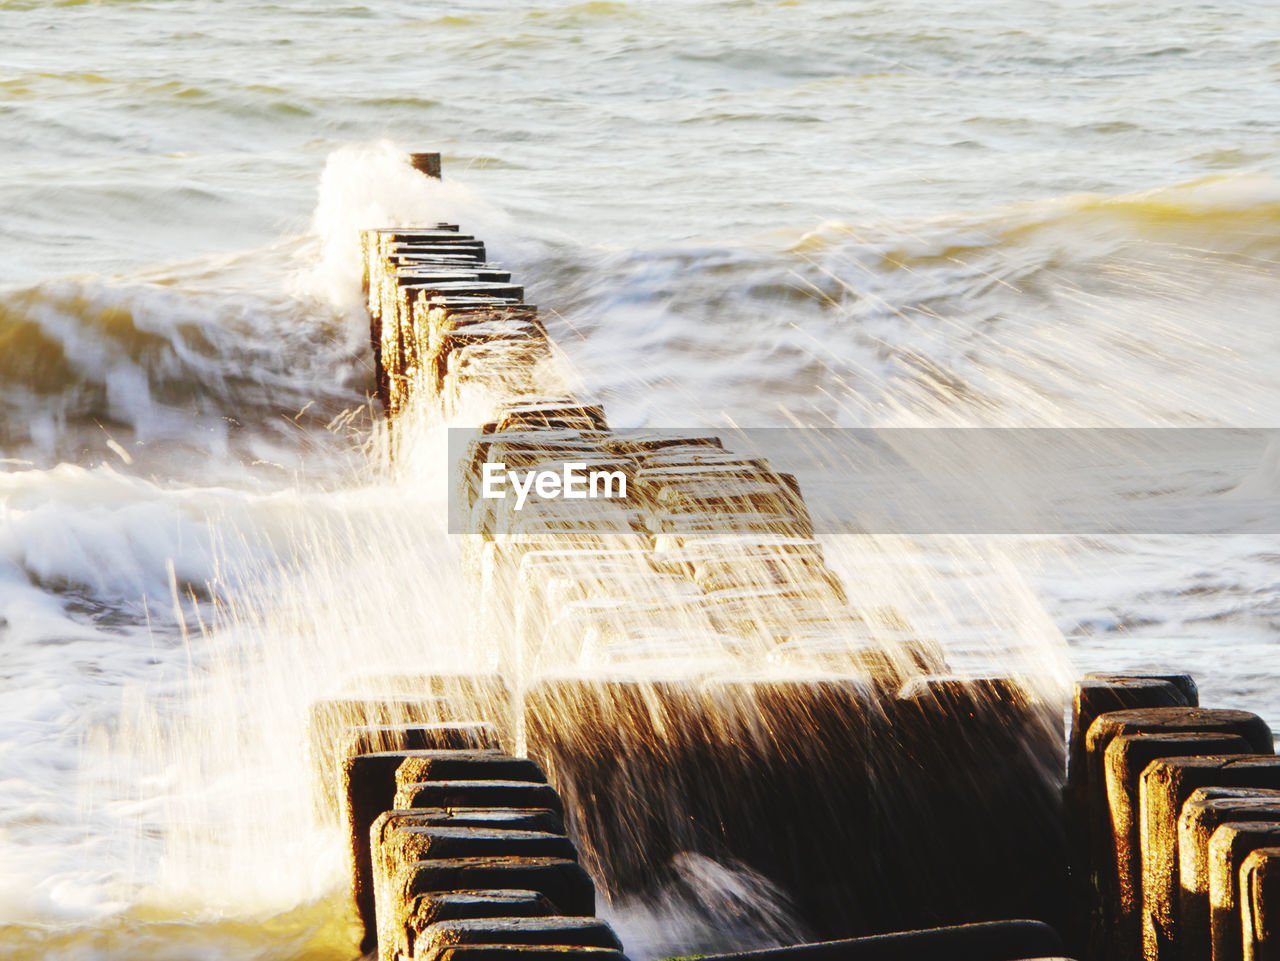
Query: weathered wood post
(426, 163)
(1260, 905)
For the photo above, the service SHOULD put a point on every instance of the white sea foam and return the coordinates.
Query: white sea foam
(374, 185)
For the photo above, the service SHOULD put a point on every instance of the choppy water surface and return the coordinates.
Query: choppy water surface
(762, 214)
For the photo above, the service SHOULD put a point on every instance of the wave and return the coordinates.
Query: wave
(91, 366)
(1224, 216)
(1019, 314)
(170, 432)
(1088, 310)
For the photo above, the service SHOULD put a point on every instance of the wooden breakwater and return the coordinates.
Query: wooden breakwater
(1174, 812)
(679, 673)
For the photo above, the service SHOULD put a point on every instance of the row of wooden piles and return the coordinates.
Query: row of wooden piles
(686, 668)
(1173, 814)
(1175, 824)
(680, 671)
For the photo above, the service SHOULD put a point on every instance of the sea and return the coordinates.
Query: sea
(732, 213)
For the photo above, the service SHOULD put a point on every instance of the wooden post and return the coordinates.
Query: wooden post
(426, 163)
(1258, 904)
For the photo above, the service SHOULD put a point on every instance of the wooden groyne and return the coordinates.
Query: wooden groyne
(1168, 801)
(678, 673)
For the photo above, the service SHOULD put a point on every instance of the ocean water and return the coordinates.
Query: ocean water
(801, 213)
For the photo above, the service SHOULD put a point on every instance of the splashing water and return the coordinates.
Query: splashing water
(230, 548)
(872, 220)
